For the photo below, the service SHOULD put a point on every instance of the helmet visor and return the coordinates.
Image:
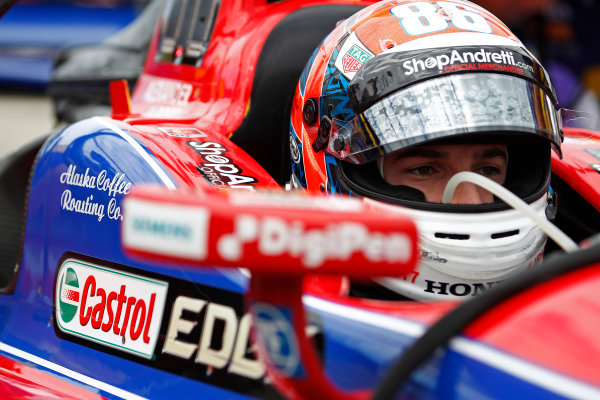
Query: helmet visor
(445, 107)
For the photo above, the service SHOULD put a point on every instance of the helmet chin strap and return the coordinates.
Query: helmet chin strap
(565, 242)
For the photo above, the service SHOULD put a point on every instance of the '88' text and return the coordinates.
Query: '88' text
(421, 18)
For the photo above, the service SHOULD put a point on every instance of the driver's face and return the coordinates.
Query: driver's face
(429, 167)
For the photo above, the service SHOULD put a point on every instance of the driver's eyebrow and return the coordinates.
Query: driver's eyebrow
(493, 152)
(487, 153)
(424, 152)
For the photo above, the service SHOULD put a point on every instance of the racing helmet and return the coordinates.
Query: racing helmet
(400, 74)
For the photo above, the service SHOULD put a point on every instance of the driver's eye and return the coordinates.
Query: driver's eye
(489, 171)
(423, 170)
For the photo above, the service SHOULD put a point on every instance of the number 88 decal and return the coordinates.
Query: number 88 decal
(421, 17)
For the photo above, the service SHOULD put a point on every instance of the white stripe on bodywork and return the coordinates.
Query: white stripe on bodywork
(393, 324)
(69, 373)
(511, 365)
(143, 153)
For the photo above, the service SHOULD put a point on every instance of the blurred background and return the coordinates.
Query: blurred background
(23, 117)
(40, 39)
(57, 56)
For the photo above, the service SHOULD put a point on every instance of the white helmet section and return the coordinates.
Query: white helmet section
(449, 40)
(464, 254)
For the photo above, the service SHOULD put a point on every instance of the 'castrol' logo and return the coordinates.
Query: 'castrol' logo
(109, 307)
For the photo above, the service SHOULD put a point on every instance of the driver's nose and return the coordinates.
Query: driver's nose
(468, 193)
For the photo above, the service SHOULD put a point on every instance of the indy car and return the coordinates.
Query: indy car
(126, 270)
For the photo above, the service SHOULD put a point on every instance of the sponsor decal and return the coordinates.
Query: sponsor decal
(458, 289)
(168, 92)
(103, 183)
(456, 60)
(275, 327)
(352, 56)
(397, 69)
(176, 230)
(218, 168)
(217, 236)
(462, 289)
(337, 241)
(193, 330)
(182, 131)
(432, 256)
(109, 307)
(536, 260)
(211, 334)
(69, 296)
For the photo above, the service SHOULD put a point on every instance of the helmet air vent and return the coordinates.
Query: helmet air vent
(322, 138)
(453, 236)
(501, 235)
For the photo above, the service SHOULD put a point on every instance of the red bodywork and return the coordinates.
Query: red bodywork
(580, 166)
(553, 324)
(18, 381)
(223, 83)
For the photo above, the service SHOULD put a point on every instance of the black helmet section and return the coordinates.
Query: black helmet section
(528, 176)
(386, 73)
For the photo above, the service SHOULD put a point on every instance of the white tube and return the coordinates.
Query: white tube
(561, 239)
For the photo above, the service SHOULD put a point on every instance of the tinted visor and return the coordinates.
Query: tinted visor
(446, 107)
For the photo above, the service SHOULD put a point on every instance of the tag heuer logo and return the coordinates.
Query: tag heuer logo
(109, 307)
(355, 58)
